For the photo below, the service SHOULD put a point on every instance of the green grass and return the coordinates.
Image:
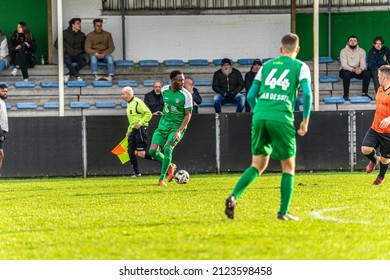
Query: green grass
(121, 218)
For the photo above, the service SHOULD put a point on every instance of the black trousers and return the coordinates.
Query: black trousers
(346, 75)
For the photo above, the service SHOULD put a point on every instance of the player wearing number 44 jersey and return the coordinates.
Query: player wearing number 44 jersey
(272, 97)
(175, 117)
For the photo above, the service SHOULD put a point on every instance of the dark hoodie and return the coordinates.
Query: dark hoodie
(73, 42)
(250, 76)
(376, 59)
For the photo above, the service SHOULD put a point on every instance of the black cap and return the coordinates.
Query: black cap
(225, 60)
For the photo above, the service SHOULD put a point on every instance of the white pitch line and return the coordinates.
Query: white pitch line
(320, 215)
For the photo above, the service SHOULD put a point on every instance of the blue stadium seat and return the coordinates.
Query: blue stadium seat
(173, 62)
(8, 106)
(26, 105)
(198, 62)
(355, 80)
(124, 63)
(79, 105)
(148, 83)
(203, 83)
(105, 104)
(4, 83)
(102, 84)
(359, 99)
(101, 63)
(245, 61)
(124, 104)
(217, 62)
(148, 62)
(51, 105)
(24, 84)
(127, 83)
(334, 100)
(49, 84)
(329, 79)
(76, 84)
(325, 59)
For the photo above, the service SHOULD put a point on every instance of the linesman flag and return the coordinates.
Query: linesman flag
(121, 151)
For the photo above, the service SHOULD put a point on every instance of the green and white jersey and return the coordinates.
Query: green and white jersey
(175, 105)
(280, 80)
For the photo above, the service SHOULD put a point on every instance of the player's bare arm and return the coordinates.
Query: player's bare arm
(183, 125)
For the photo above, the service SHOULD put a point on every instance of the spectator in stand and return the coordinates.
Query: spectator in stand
(5, 59)
(228, 84)
(23, 49)
(74, 40)
(249, 77)
(154, 100)
(196, 98)
(378, 55)
(353, 65)
(99, 45)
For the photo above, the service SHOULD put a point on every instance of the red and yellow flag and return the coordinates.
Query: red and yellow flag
(121, 151)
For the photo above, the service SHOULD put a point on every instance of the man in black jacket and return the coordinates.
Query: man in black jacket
(74, 40)
(153, 99)
(196, 98)
(227, 84)
(378, 55)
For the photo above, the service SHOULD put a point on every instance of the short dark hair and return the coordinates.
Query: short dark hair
(73, 21)
(353, 36)
(3, 86)
(290, 42)
(378, 38)
(174, 73)
(97, 20)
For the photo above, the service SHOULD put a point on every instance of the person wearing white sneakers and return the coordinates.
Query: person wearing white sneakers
(23, 50)
(74, 40)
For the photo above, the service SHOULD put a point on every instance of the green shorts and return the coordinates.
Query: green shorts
(273, 138)
(164, 134)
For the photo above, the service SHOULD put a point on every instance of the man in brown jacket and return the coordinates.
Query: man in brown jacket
(99, 46)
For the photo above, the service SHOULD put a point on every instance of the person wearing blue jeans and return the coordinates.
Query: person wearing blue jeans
(228, 84)
(99, 45)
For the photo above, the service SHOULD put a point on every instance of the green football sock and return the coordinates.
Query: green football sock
(246, 178)
(156, 155)
(167, 161)
(286, 191)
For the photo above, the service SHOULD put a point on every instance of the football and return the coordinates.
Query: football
(182, 177)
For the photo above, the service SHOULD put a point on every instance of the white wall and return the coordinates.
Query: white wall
(184, 37)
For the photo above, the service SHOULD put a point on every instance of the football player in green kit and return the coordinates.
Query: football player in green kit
(272, 98)
(175, 117)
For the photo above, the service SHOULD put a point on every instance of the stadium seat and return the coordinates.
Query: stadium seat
(49, 84)
(4, 83)
(79, 105)
(355, 80)
(198, 62)
(148, 83)
(203, 83)
(105, 104)
(124, 104)
(245, 61)
(148, 62)
(325, 59)
(334, 100)
(8, 106)
(124, 63)
(102, 84)
(127, 83)
(101, 63)
(217, 62)
(26, 105)
(329, 79)
(210, 103)
(173, 62)
(51, 105)
(76, 84)
(24, 84)
(359, 99)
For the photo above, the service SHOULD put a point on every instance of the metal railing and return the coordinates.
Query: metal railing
(188, 5)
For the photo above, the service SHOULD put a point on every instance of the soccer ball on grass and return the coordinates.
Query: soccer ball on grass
(182, 177)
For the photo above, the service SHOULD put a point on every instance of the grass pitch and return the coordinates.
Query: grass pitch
(342, 217)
